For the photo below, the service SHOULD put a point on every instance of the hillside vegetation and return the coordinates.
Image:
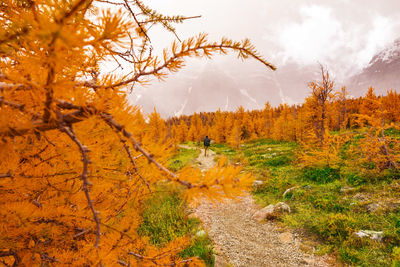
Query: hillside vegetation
(83, 172)
(331, 204)
(334, 160)
(78, 162)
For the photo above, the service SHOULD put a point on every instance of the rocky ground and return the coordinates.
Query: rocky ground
(240, 240)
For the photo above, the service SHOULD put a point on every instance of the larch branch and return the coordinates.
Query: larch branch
(182, 54)
(128, 151)
(134, 17)
(114, 125)
(153, 260)
(14, 105)
(84, 176)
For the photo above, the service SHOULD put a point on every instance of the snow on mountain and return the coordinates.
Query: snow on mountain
(382, 72)
(387, 55)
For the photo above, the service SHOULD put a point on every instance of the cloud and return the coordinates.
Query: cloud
(343, 39)
(380, 34)
(342, 34)
(317, 37)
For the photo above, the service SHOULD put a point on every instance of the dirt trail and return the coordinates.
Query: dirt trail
(241, 241)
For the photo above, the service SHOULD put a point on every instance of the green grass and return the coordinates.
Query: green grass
(393, 132)
(223, 149)
(165, 219)
(321, 206)
(182, 158)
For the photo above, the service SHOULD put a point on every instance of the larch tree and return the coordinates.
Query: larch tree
(157, 128)
(321, 93)
(342, 118)
(74, 161)
(369, 107)
(376, 151)
(391, 103)
(268, 114)
(234, 138)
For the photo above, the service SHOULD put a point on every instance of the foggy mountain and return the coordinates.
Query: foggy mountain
(382, 72)
(227, 86)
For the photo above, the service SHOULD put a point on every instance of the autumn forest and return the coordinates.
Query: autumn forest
(88, 179)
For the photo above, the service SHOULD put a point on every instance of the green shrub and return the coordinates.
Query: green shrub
(164, 218)
(333, 227)
(355, 179)
(392, 132)
(391, 174)
(392, 233)
(321, 175)
(182, 158)
(201, 247)
(278, 161)
(348, 255)
(396, 257)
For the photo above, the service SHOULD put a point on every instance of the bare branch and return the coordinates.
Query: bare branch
(84, 112)
(12, 36)
(82, 232)
(41, 126)
(46, 258)
(7, 86)
(134, 17)
(154, 260)
(169, 19)
(6, 175)
(128, 151)
(113, 124)
(184, 53)
(11, 104)
(12, 253)
(121, 262)
(85, 159)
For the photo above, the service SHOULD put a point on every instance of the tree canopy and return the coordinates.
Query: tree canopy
(76, 159)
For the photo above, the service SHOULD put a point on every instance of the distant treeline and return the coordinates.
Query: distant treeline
(293, 123)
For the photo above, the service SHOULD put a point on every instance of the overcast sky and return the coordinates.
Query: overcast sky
(342, 34)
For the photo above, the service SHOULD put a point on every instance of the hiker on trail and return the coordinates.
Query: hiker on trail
(206, 145)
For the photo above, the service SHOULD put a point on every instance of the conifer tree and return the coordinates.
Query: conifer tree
(75, 164)
(321, 94)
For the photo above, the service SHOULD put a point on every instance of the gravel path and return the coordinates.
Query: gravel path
(241, 241)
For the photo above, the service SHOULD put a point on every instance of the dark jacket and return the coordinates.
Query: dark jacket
(207, 141)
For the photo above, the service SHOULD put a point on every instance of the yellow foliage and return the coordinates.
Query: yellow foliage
(326, 155)
(74, 162)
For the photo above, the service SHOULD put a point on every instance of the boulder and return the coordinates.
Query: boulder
(271, 211)
(264, 213)
(285, 237)
(201, 233)
(392, 205)
(361, 196)
(257, 183)
(346, 189)
(373, 207)
(289, 189)
(282, 207)
(374, 235)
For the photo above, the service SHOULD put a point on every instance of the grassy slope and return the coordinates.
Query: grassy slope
(182, 158)
(166, 216)
(322, 205)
